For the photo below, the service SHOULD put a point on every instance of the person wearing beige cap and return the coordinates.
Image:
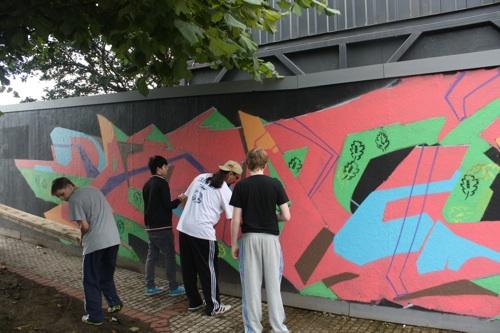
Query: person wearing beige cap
(208, 196)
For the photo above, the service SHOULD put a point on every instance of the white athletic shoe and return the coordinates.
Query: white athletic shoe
(221, 309)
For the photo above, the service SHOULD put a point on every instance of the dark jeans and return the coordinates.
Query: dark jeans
(161, 241)
(98, 272)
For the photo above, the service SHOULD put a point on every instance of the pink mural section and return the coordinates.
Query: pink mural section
(394, 195)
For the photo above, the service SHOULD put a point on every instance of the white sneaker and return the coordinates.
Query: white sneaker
(221, 309)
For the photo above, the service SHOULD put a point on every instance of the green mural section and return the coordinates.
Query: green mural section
(361, 147)
(491, 283)
(318, 289)
(470, 198)
(128, 227)
(225, 254)
(295, 160)
(216, 121)
(274, 173)
(157, 136)
(120, 135)
(41, 183)
(135, 199)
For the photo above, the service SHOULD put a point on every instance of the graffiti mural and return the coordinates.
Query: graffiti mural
(394, 195)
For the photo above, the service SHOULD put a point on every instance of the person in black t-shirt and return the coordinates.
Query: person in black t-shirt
(255, 199)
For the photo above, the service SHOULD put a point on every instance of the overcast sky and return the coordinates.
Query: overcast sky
(31, 88)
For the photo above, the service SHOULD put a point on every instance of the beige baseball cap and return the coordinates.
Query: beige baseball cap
(231, 166)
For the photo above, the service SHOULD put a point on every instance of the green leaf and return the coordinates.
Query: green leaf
(248, 43)
(271, 15)
(139, 57)
(18, 39)
(232, 22)
(142, 86)
(221, 48)
(284, 4)
(190, 31)
(254, 2)
(181, 6)
(268, 69)
(296, 10)
(180, 69)
(216, 17)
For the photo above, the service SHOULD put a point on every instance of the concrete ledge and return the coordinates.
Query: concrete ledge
(316, 303)
(424, 318)
(10, 233)
(380, 313)
(40, 224)
(17, 231)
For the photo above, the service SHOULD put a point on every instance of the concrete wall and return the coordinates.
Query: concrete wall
(394, 184)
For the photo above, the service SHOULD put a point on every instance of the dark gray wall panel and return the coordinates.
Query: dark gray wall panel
(441, 43)
(373, 52)
(361, 13)
(14, 134)
(318, 61)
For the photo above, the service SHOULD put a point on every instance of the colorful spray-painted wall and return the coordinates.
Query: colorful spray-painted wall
(395, 195)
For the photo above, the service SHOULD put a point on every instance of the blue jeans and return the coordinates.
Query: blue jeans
(161, 241)
(98, 272)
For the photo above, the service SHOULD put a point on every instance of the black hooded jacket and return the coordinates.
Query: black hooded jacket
(158, 204)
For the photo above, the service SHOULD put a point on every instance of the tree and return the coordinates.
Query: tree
(150, 40)
(97, 71)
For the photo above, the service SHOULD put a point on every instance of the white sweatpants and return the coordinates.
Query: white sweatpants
(260, 255)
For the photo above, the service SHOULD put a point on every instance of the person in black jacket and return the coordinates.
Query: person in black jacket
(158, 207)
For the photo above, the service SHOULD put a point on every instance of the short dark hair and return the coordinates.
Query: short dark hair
(256, 159)
(155, 162)
(60, 183)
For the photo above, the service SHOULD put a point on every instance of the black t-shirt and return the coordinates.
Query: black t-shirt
(257, 196)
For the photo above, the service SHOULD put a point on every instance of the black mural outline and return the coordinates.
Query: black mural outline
(492, 211)
(357, 149)
(350, 170)
(377, 170)
(469, 185)
(382, 140)
(295, 164)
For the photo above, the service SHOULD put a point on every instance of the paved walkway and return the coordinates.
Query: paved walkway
(164, 313)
